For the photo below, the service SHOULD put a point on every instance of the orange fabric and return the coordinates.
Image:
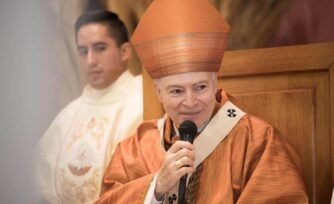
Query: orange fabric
(177, 36)
(132, 167)
(252, 165)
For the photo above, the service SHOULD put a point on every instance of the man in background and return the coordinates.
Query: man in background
(73, 152)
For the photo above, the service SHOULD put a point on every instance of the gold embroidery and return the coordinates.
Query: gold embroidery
(81, 173)
(94, 127)
(81, 159)
(80, 192)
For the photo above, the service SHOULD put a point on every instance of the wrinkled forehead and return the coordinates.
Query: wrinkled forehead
(186, 79)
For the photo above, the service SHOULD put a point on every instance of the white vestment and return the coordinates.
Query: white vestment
(73, 153)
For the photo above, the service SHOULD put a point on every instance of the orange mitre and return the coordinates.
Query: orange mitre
(177, 36)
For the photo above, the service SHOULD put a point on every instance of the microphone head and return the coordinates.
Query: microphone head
(188, 131)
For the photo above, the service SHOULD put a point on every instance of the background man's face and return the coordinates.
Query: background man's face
(99, 56)
(188, 96)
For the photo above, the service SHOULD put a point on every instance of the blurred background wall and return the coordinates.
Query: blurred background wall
(40, 75)
(24, 109)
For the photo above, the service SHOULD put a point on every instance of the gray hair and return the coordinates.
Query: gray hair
(157, 81)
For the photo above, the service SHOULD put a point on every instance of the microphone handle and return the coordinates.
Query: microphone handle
(182, 189)
(183, 179)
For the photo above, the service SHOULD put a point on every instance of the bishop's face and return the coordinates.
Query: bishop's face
(188, 96)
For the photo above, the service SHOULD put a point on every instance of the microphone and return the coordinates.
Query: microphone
(187, 131)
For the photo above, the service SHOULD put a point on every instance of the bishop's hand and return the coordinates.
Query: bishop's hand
(179, 161)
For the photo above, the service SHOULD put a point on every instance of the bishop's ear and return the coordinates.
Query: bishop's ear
(157, 89)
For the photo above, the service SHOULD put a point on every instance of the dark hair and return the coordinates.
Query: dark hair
(117, 29)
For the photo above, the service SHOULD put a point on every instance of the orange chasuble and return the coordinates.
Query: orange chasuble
(252, 164)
